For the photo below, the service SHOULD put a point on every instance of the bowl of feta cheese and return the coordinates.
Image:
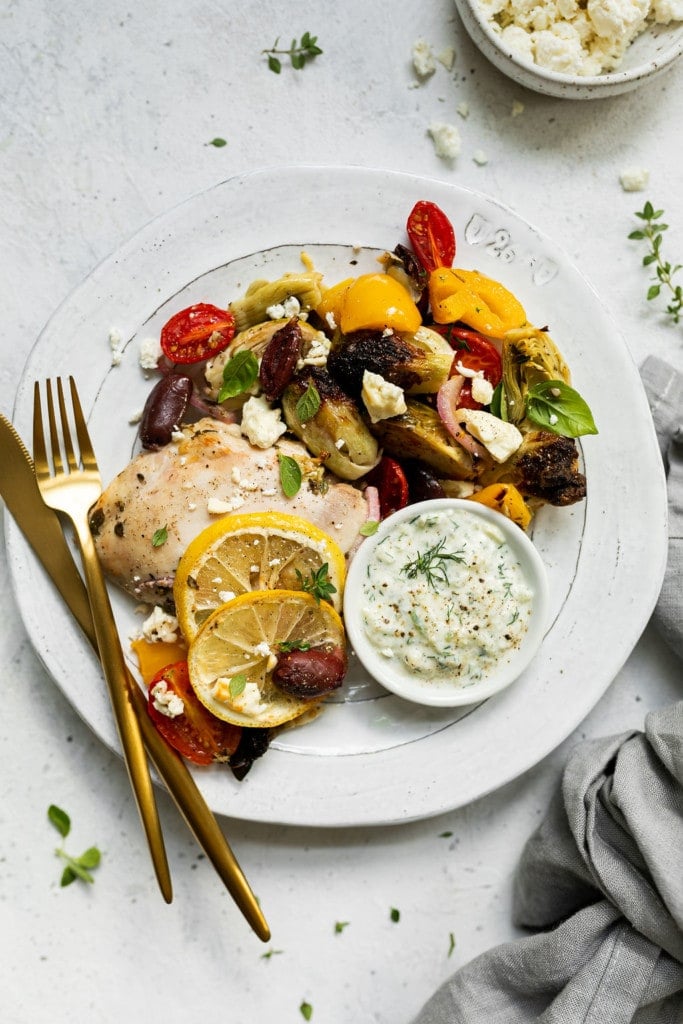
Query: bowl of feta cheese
(446, 603)
(577, 49)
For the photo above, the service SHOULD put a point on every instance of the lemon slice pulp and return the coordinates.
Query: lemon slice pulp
(232, 657)
(250, 552)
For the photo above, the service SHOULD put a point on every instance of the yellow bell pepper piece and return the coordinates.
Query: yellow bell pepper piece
(504, 498)
(480, 302)
(371, 302)
(152, 657)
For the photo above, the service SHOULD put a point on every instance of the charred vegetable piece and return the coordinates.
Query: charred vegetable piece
(530, 357)
(420, 434)
(164, 410)
(310, 674)
(544, 466)
(391, 483)
(336, 431)
(279, 360)
(261, 295)
(419, 363)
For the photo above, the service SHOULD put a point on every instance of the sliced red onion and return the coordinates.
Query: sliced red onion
(447, 407)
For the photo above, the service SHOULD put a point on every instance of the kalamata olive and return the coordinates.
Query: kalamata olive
(310, 674)
(422, 483)
(164, 410)
(252, 745)
(279, 359)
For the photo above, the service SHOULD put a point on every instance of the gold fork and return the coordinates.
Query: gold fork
(72, 487)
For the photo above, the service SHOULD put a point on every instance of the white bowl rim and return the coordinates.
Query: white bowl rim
(449, 696)
(581, 82)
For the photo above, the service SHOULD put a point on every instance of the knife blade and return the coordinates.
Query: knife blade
(42, 529)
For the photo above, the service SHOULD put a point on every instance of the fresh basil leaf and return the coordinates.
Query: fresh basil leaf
(369, 527)
(239, 373)
(308, 404)
(60, 819)
(557, 407)
(499, 405)
(290, 475)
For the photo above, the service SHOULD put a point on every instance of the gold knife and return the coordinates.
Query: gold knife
(42, 529)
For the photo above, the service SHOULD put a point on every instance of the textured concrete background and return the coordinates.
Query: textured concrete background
(106, 116)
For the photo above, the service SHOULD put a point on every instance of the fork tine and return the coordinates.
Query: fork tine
(39, 453)
(87, 454)
(66, 430)
(57, 461)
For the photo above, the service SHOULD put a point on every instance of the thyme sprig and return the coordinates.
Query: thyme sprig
(317, 583)
(432, 563)
(652, 232)
(299, 53)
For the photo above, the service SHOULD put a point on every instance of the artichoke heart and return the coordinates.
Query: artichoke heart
(418, 363)
(529, 357)
(254, 339)
(253, 306)
(419, 434)
(336, 431)
(544, 467)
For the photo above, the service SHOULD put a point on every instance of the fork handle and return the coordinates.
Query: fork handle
(127, 723)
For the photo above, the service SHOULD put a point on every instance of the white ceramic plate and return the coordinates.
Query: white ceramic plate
(373, 758)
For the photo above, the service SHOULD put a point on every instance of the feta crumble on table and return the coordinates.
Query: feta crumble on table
(446, 138)
(634, 179)
(577, 37)
(116, 346)
(424, 64)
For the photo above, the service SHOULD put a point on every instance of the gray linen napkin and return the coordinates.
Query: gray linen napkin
(602, 878)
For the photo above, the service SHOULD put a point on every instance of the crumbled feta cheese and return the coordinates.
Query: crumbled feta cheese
(446, 138)
(281, 310)
(160, 627)
(226, 595)
(500, 439)
(634, 179)
(463, 109)
(115, 344)
(482, 389)
(423, 59)
(261, 424)
(583, 37)
(480, 157)
(166, 701)
(517, 108)
(381, 398)
(446, 57)
(317, 353)
(150, 353)
(216, 507)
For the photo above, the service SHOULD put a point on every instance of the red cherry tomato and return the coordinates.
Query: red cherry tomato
(391, 483)
(197, 333)
(474, 352)
(196, 733)
(431, 236)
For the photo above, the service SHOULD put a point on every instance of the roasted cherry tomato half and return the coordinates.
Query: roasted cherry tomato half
(197, 333)
(431, 236)
(474, 352)
(195, 733)
(391, 483)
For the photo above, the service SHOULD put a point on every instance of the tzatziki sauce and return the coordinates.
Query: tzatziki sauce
(444, 597)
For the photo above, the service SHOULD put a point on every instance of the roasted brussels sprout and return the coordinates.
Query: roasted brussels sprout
(545, 466)
(529, 357)
(260, 296)
(419, 363)
(336, 431)
(419, 434)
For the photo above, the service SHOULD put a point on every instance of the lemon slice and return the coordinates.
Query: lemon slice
(232, 657)
(253, 551)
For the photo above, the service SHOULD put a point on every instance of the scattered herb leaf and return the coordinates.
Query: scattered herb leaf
(294, 645)
(652, 233)
(237, 684)
(306, 1010)
(299, 53)
(290, 475)
(445, 835)
(340, 926)
(317, 583)
(160, 537)
(270, 953)
(218, 143)
(308, 404)
(75, 867)
(239, 373)
(369, 527)
(555, 406)
(432, 563)
(395, 914)
(451, 943)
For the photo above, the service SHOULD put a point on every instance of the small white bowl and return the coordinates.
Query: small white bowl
(650, 54)
(419, 688)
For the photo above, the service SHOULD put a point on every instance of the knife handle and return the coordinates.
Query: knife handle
(197, 815)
